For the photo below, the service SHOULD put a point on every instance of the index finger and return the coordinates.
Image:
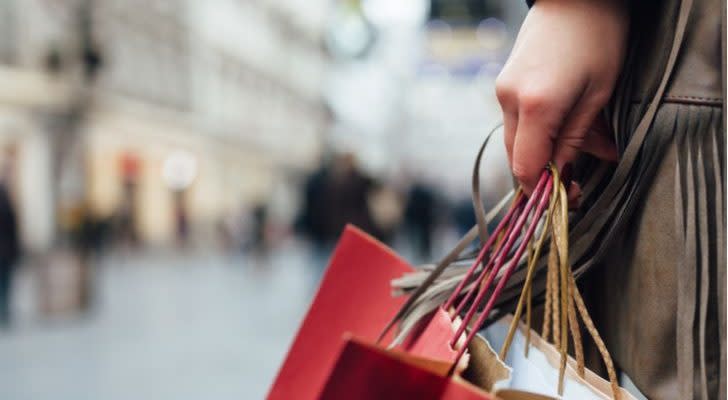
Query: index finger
(533, 145)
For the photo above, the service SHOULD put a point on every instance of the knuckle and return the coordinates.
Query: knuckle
(534, 101)
(505, 90)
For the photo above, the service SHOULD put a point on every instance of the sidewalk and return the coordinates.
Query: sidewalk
(174, 326)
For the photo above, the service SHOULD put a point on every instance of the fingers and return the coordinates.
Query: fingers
(575, 136)
(530, 124)
(545, 124)
(599, 142)
(533, 144)
(533, 113)
(509, 106)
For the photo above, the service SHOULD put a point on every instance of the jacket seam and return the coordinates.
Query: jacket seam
(694, 100)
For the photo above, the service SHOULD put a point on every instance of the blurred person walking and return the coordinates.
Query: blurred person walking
(312, 220)
(9, 249)
(337, 194)
(259, 243)
(419, 218)
(347, 191)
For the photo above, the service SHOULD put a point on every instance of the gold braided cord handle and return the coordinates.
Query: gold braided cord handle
(533, 254)
(575, 334)
(546, 324)
(529, 298)
(563, 267)
(595, 336)
(563, 300)
(569, 288)
(561, 237)
(552, 291)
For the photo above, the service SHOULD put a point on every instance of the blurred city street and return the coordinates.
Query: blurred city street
(174, 175)
(165, 326)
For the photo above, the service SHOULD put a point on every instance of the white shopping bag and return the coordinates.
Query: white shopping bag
(539, 372)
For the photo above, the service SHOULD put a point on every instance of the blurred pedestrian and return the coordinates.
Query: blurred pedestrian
(419, 218)
(9, 250)
(259, 243)
(181, 218)
(336, 195)
(347, 191)
(311, 221)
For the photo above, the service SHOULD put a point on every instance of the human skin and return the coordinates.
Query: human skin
(559, 76)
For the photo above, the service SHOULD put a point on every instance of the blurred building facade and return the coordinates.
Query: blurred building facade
(100, 98)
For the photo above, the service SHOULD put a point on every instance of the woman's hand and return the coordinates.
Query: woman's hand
(560, 74)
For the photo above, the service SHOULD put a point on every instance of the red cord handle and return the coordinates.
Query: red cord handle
(501, 225)
(542, 193)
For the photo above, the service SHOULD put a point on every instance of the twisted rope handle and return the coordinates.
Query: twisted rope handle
(563, 299)
(594, 333)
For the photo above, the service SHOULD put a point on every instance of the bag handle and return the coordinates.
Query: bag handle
(563, 299)
(505, 223)
(537, 204)
(561, 285)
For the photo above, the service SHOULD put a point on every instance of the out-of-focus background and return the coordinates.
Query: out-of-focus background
(174, 174)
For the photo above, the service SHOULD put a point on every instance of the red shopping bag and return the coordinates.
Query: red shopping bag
(355, 298)
(364, 371)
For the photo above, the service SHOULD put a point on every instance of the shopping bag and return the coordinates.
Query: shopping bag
(355, 297)
(538, 369)
(364, 371)
(334, 354)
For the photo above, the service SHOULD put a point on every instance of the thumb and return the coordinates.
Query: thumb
(583, 131)
(599, 141)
